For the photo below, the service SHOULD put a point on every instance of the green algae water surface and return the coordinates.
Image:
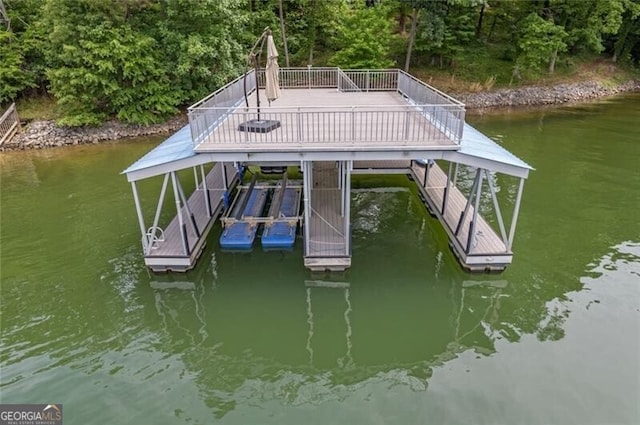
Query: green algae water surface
(403, 337)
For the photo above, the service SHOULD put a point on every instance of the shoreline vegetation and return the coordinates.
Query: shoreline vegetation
(112, 69)
(41, 134)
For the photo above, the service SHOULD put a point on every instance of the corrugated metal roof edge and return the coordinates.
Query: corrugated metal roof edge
(171, 139)
(504, 151)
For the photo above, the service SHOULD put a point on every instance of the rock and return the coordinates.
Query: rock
(525, 96)
(41, 134)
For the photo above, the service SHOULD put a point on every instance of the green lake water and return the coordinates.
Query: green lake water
(403, 337)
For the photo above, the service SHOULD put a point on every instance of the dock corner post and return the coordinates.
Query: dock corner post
(143, 228)
(306, 188)
(516, 211)
(347, 213)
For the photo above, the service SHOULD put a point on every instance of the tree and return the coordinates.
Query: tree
(100, 66)
(539, 41)
(13, 78)
(364, 39)
(627, 40)
(416, 6)
(284, 34)
(138, 60)
(446, 28)
(202, 44)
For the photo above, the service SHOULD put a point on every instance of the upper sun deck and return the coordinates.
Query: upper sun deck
(328, 110)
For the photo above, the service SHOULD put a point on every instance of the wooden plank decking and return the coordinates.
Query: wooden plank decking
(487, 250)
(169, 254)
(327, 238)
(313, 119)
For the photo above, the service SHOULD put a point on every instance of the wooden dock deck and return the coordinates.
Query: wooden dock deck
(327, 239)
(169, 254)
(325, 119)
(487, 251)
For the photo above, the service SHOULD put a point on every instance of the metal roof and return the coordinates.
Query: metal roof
(173, 154)
(478, 150)
(177, 152)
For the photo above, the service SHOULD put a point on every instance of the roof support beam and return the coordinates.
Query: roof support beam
(516, 211)
(156, 218)
(143, 229)
(496, 207)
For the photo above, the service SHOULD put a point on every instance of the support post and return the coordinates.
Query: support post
(476, 207)
(516, 211)
(183, 227)
(143, 228)
(347, 213)
(464, 213)
(427, 166)
(455, 175)
(156, 218)
(341, 185)
(195, 177)
(496, 207)
(447, 189)
(186, 206)
(207, 195)
(306, 189)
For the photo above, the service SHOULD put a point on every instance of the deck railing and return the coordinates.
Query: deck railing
(216, 117)
(388, 125)
(423, 94)
(218, 105)
(9, 124)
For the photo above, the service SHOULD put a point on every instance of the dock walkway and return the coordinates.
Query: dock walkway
(487, 251)
(168, 252)
(327, 238)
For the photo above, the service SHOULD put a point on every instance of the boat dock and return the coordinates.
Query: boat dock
(332, 124)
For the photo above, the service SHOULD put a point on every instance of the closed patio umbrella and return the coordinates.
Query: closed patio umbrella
(272, 83)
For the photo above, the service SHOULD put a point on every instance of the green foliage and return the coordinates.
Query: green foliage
(539, 39)
(13, 78)
(140, 60)
(200, 46)
(364, 40)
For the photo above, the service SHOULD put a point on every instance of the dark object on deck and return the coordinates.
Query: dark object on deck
(259, 126)
(273, 170)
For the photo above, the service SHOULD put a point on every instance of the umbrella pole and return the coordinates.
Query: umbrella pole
(257, 125)
(255, 63)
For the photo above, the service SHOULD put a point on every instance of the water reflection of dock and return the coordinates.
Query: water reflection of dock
(325, 334)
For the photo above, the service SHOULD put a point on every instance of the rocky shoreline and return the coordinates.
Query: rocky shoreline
(46, 134)
(535, 95)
